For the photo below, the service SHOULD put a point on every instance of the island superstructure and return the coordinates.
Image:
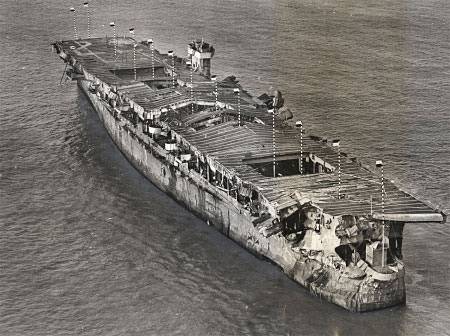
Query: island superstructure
(246, 167)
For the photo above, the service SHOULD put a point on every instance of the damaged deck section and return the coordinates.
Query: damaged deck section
(231, 145)
(241, 163)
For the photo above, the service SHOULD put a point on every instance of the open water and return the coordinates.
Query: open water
(89, 247)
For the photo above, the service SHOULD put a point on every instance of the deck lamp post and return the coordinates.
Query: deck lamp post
(216, 93)
(299, 124)
(379, 164)
(86, 5)
(272, 111)
(191, 75)
(171, 55)
(113, 26)
(134, 53)
(237, 92)
(75, 31)
(152, 51)
(336, 143)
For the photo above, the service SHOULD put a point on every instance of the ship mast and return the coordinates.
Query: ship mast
(379, 164)
(86, 5)
(134, 53)
(75, 31)
(336, 143)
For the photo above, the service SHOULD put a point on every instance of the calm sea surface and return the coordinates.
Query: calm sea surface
(89, 247)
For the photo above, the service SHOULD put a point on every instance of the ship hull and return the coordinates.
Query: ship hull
(228, 216)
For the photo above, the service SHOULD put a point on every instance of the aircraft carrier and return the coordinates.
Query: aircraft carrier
(246, 165)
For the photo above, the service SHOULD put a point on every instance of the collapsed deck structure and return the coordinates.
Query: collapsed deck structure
(244, 165)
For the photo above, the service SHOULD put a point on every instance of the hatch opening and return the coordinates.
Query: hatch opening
(290, 164)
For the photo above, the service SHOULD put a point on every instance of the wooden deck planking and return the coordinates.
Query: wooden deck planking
(231, 144)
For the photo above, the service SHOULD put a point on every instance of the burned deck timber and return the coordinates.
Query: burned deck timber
(241, 164)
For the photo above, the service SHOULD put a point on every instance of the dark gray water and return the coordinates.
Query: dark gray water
(89, 247)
